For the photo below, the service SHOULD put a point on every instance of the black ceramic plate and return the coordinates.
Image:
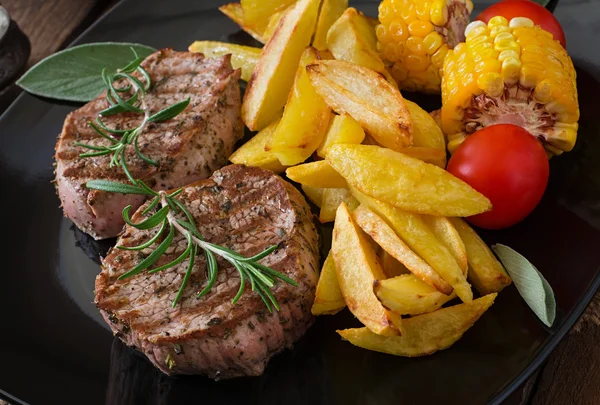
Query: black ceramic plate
(55, 348)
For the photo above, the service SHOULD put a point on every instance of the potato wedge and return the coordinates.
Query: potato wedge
(316, 174)
(314, 194)
(242, 57)
(391, 266)
(235, 14)
(305, 119)
(328, 298)
(274, 22)
(447, 234)
(437, 117)
(428, 155)
(253, 153)
(486, 273)
(272, 80)
(405, 182)
(426, 133)
(257, 13)
(357, 267)
(364, 94)
(409, 295)
(374, 226)
(343, 129)
(332, 198)
(331, 10)
(417, 235)
(423, 334)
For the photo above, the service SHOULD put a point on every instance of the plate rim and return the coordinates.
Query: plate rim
(546, 348)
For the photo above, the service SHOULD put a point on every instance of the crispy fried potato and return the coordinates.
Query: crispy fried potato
(316, 174)
(272, 80)
(374, 226)
(417, 235)
(235, 13)
(242, 57)
(332, 198)
(485, 271)
(391, 266)
(331, 10)
(253, 153)
(343, 129)
(426, 133)
(352, 38)
(437, 117)
(405, 182)
(305, 119)
(357, 268)
(328, 298)
(409, 295)
(314, 194)
(428, 155)
(257, 13)
(364, 94)
(423, 334)
(446, 233)
(274, 22)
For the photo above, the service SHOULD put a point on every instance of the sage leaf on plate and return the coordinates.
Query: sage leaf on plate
(75, 74)
(530, 283)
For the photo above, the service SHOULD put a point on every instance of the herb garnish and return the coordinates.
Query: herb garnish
(130, 97)
(173, 216)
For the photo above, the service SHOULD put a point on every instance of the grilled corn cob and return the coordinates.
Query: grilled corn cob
(510, 72)
(414, 37)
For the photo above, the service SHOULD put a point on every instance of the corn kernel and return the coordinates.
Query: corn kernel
(472, 25)
(416, 63)
(381, 33)
(511, 70)
(555, 107)
(531, 75)
(415, 45)
(439, 13)
(488, 66)
(478, 40)
(422, 9)
(507, 45)
(392, 51)
(497, 20)
(477, 31)
(399, 73)
(544, 89)
(491, 83)
(398, 5)
(508, 54)
(520, 22)
(504, 36)
(420, 28)
(432, 42)
(408, 13)
(386, 13)
(398, 31)
(437, 59)
(485, 54)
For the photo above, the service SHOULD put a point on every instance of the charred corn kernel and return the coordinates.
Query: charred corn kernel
(438, 12)
(510, 68)
(425, 30)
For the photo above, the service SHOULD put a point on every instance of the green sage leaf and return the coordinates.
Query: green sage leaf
(115, 187)
(75, 74)
(530, 283)
(169, 112)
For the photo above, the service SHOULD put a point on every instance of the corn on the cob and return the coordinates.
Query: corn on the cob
(414, 37)
(510, 72)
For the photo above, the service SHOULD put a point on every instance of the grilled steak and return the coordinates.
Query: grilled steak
(188, 148)
(244, 209)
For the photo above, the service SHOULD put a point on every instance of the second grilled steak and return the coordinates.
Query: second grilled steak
(188, 148)
(244, 209)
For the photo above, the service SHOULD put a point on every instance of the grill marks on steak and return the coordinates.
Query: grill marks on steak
(244, 209)
(188, 148)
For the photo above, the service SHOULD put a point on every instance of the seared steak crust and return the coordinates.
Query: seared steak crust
(244, 209)
(188, 148)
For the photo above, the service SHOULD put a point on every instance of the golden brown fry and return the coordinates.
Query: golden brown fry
(374, 226)
(424, 334)
(272, 80)
(235, 14)
(328, 297)
(405, 182)
(485, 271)
(409, 295)
(314, 194)
(242, 57)
(428, 155)
(391, 266)
(316, 174)
(343, 129)
(357, 268)
(331, 10)
(257, 13)
(274, 22)
(253, 153)
(448, 235)
(332, 198)
(366, 96)
(417, 235)
(426, 133)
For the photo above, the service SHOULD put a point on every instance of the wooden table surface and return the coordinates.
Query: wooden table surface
(570, 376)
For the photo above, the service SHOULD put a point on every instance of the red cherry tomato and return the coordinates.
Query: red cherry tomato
(509, 166)
(526, 8)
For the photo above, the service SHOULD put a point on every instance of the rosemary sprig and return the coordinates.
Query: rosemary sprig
(131, 98)
(173, 216)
